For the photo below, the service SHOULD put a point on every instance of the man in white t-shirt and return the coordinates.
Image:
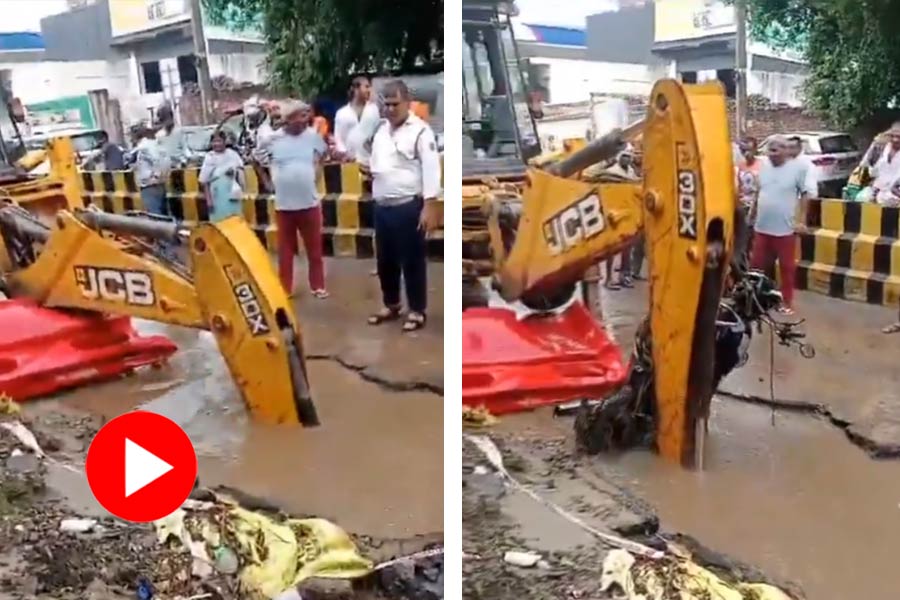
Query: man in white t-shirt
(296, 151)
(360, 109)
(782, 184)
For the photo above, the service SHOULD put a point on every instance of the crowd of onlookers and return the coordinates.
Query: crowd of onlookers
(286, 144)
(881, 170)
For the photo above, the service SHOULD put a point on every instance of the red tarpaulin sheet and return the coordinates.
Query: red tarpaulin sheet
(44, 350)
(511, 365)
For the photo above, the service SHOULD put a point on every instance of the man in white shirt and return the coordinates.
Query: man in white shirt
(150, 170)
(624, 169)
(171, 138)
(296, 151)
(360, 109)
(887, 170)
(406, 182)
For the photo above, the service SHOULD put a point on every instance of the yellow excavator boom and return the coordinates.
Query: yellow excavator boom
(103, 262)
(685, 208)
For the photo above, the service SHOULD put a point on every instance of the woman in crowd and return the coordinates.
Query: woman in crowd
(222, 178)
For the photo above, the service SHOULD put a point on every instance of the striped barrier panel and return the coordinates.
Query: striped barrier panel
(850, 250)
(347, 206)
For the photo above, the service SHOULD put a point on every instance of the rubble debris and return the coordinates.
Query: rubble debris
(478, 417)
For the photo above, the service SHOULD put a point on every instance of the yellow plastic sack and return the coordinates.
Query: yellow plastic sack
(273, 556)
(689, 580)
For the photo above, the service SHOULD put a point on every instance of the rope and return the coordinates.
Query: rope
(492, 454)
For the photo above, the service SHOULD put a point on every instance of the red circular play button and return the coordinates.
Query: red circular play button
(141, 466)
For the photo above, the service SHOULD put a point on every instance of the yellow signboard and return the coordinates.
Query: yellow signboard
(134, 16)
(691, 19)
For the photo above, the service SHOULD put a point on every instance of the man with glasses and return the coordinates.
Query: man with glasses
(406, 182)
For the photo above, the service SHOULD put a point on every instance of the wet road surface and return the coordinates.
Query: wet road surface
(375, 466)
(796, 499)
(799, 499)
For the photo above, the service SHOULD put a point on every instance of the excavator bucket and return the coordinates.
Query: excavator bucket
(44, 350)
(512, 364)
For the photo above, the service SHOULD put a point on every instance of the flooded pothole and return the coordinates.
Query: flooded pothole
(796, 499)
(375, 466)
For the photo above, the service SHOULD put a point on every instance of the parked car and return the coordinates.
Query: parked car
(834, 156)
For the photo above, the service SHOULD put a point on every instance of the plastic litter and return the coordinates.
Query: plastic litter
(77, 525)
(273, 555)
(617, 571)
(144, 589)
(225, 560)
(522, 559)
(25, 437)
(688, 579)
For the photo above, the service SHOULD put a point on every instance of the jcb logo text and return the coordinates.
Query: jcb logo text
(580, 221)
(134, 288)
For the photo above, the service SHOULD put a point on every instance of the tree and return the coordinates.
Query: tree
(314, 46)
(852, 46)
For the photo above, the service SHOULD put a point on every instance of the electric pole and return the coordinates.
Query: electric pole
(740, 66)
(202, 59)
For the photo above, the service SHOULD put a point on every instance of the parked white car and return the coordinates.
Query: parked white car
(834, 156)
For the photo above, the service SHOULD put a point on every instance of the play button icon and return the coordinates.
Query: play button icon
(141, 466)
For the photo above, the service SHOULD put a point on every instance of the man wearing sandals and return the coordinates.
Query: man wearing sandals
(296, 151)
(406, 181)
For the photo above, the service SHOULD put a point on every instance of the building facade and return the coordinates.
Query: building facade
(141, 51)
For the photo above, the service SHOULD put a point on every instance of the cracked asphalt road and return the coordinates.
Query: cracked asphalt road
(375, 466)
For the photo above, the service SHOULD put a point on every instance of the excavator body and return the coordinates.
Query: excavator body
(543, 243)
(85, 273)
(104, 263)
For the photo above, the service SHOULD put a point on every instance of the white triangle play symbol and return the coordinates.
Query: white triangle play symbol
(141, 468)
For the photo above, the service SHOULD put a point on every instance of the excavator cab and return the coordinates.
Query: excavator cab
(499, 131)
(12, 147)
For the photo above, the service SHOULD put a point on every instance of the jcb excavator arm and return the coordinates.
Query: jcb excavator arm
(109, 263)
(685, 208)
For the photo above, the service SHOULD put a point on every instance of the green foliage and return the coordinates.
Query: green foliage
(852, 46)
(315, 46)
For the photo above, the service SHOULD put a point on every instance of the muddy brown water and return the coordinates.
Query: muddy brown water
(796, 499)
(375, 466)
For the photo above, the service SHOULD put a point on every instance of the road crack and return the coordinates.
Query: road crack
(364, 372)
(874, 449)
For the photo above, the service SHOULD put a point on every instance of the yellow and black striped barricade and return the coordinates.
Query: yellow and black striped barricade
(348, 213)
(347, 206)
(850, 250)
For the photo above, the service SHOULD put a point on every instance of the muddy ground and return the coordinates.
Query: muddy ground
(795, 496)
(375, 467)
